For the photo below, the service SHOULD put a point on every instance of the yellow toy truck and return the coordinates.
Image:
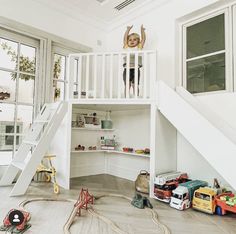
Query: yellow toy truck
(206, 200)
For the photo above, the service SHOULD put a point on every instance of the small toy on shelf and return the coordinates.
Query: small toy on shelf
(80, 147)
(92, 147)
(139, 151)
(128, 150)
(108, 143)
(92, 121)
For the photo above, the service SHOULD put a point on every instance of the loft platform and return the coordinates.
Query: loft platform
(101, 77)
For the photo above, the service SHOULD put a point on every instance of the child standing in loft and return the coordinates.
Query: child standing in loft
(133, 42)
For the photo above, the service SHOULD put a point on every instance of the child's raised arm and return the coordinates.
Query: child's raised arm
(126, 36)
(143, 36)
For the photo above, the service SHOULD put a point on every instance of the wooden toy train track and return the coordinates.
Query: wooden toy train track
(85, 201)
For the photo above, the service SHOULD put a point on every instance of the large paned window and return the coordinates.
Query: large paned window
(18, 78)
(59, 57)
(205, 57)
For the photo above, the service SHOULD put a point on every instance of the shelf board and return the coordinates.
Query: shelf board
(94, 129)
(111, 151)
(86, 151)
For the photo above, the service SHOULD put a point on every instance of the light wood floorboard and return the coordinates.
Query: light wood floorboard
(49, 217)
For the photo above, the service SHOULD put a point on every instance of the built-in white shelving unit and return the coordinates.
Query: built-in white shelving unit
(131, 128)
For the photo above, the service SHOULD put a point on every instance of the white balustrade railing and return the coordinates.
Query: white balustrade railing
(116, 75)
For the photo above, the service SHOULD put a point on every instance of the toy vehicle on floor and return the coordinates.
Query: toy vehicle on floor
(16, 221)
(169, 176)
(182, 196)
(164, 184)
(207, 200)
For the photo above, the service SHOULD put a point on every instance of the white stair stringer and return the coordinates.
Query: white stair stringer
(218, 149)
(38, 140)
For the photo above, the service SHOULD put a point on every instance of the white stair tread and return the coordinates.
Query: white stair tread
(41, 121)
(20, 165)
(30, 142)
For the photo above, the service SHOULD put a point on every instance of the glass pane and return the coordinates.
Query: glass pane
(206, 37)
(59, 64)
(58, 89)
(18, 141)
(6, 143)
(76, 70)
(206, 74)
(7, 86)
(75, 92)
(24, 118)
(8, 54)
(7, 112)
(27, 60)
(26, 82)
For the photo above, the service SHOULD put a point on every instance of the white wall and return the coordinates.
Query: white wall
(190, 161)
(224, 105)
(41, 17)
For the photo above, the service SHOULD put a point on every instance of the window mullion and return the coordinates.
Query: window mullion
(16, 97)
(205, 55)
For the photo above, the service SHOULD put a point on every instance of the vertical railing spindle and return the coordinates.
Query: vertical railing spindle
(71, 64)
(127, 75)
(136, 75)
(103, 75)
(111, 76)
(145, 75)
(119, 75)
(95, 76)
(79, 76)
(87, 76)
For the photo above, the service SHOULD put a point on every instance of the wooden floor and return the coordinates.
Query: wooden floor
(49, 217)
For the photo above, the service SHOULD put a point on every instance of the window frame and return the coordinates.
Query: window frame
(44, 64)
(234, 46)
(62, 50)
(227, 50)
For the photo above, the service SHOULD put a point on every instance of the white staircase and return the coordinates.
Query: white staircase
(205, 131)
(34, 147)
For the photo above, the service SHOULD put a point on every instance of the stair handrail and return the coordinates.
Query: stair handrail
(228, 130)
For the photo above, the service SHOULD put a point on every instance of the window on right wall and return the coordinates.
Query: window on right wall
(204, 55)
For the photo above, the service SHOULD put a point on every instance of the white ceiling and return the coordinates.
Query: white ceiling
(105, 13)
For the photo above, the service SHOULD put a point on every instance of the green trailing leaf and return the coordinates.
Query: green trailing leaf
(25, 63)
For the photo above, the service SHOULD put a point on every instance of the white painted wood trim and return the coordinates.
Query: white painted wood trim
(153, 156)
(145, 77)
(234, 48)
(79, 76)
(127, 83)
(206, 55)
(111, 75)
(119, 76)
(103, 75)
(95, 75)
(136, 76)
(87, 75)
